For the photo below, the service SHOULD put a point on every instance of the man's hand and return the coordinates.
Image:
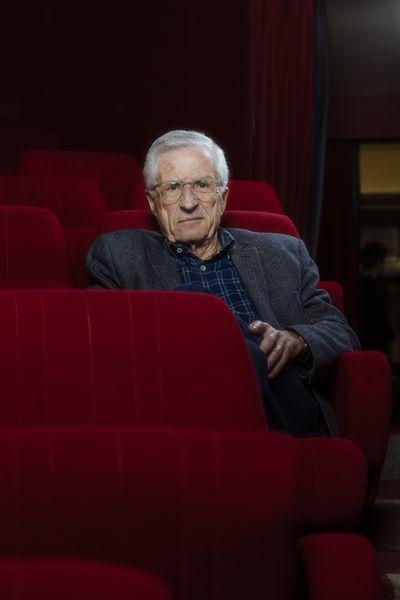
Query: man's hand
(280, 345)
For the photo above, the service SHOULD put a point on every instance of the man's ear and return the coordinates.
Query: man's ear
(152, 204)
(224, 199)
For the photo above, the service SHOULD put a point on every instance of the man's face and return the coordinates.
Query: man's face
(193, 219)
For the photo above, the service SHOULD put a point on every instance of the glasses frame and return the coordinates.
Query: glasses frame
(157, 189)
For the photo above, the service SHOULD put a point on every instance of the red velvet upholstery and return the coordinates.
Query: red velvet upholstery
(259, 221)
(14, 141)
(32, 284)
(362, 400)
(138, 198)
(43, 579)
(332, 484)
(211, 514)
(339, 566)
(79, 240)
(129, 219)
(114, 173)
(33, 246)
(253, 195)
(126, 358)
(76, 201)
(254, 221)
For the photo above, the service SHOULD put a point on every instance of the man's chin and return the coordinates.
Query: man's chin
(190, 235)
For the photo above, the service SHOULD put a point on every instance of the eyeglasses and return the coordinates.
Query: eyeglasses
(172, 191)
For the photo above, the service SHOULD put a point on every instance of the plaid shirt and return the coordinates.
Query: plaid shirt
(218, 275)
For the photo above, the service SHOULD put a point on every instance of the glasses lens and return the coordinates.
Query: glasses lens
(203, 186)
(171, 190)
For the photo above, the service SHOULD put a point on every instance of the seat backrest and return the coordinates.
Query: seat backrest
(144, 358)
(254, 221)
(138, 199)
(114, 173)
(263, 222)
(14, 141)
(95, 357)
(211, 514)
(253, 195)
(76, 201)
(46, 579)
(33, 245)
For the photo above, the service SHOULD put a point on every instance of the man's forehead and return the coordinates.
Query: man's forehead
(185, 160)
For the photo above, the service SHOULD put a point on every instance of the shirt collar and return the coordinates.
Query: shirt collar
(225, 237)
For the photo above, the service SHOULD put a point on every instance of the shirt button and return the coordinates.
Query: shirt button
(203, 267)
(179, 250)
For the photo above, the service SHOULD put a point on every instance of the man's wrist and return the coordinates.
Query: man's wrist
(305, 348)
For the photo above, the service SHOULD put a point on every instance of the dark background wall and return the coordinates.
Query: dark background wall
(114, 77)
(365, 68)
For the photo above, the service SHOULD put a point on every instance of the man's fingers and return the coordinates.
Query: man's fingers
(269, 341)
(259, 327)
(276, 367)
(275, 354)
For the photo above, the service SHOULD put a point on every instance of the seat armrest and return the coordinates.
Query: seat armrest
(338, 565)
(332, 484)
(362, 401)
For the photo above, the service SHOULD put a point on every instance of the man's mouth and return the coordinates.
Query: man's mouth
(190, 219)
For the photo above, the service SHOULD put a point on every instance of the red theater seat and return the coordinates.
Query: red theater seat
(126, 358)
(212, 515)
(75, 201)
(50, 579)
(33, 248)
(138, 199)
(253, 196)
(14, 141)
(114, 173)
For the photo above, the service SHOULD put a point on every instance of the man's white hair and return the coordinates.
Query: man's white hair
(182, 138)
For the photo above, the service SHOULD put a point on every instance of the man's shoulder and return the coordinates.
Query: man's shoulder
(264, 239)
(131, 237)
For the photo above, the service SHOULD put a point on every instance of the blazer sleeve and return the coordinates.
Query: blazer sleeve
(324, 328)
(101, 266)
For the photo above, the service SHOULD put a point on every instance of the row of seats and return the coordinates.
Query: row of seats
(80, 198)
(120, 180)
(35, 256)
(105, 455)
(71, 357)
(74, 579)
(210, 514)
(36, 246)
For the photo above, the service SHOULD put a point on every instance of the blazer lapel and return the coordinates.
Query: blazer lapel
(165, 268)
(253, 274)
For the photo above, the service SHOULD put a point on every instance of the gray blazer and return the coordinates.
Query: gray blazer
(276, 269)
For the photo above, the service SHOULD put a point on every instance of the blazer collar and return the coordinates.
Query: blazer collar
(164, 264)
(253, 273)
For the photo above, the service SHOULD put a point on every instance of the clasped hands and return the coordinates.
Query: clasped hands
(281, 346)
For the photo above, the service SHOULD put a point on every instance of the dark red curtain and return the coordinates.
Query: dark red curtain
(282, 67)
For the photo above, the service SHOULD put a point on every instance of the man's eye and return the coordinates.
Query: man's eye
(202, 184)
(172, 186)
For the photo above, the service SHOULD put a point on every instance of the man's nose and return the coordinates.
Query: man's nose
(188, 200)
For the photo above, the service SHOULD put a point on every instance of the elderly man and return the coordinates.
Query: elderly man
(268, 280)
